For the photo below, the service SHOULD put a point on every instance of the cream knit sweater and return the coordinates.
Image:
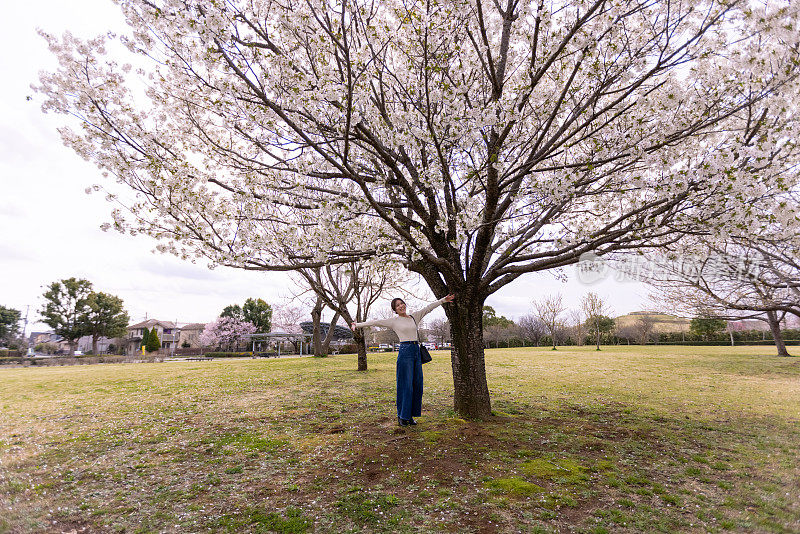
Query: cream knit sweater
(404, 327)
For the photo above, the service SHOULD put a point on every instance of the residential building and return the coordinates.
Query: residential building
(190, 335)
(170, 334)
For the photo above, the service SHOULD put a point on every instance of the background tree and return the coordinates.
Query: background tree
(490, 318)
(254, 310)
(440, 330)
(65, 308)
(706, 327)
(287, 318)
(153, 341)
(501, 332)
(226, 333)
(548, 310)
(474, 141)
(322, 336)
(627, 332)
(643, 325)
(576, 322)
(145, 338)
(259, 313)
(232, 311)
(744, 277)
(9, 324)
(105, 316)
(595, 311)
(351, 289)
(606, 324)
(46, 348)
(532, 328)
(336, 332)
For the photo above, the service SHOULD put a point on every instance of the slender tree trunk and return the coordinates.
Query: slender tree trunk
(598, 337)
(471, 391)
(775, 328)
(316, 319)
(730, 332)
(326, 344)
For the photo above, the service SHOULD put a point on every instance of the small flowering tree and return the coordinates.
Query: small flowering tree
(474, 141)
(226, 333)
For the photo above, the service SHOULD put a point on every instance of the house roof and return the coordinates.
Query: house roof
(53, 336)
(193, 326)
(150, 323)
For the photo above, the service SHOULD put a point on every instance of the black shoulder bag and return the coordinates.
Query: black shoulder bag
(423, 350)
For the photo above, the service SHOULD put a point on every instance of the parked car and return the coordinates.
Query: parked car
(78, 353)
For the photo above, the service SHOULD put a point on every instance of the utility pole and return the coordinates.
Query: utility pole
(25, 326)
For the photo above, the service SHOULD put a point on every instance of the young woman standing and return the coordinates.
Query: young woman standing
(409, 362)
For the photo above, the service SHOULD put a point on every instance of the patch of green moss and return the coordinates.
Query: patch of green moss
(246, 441)
(364, 507)
(513, 486)
(431, 436)
(257, 520)
(562, 469)
(559, 500)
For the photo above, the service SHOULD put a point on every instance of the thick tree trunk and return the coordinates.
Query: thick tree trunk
(775, 328)
(362, 351)
(94, 344)
(471, 391)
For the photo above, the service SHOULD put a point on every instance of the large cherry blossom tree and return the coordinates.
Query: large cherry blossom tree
(475, 141)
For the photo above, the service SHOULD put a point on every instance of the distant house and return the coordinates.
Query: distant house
(43, 337)
(104, 344)
(170, 334)
(190, 335)
(38, 338)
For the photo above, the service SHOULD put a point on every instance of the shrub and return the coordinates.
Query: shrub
(228, 355)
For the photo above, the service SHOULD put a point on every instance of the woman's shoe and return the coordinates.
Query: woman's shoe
(405, 422)
(412, 422)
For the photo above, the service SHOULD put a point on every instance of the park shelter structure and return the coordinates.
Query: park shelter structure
(260, 342)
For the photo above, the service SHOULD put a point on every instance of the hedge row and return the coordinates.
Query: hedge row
(239, 354)
(720, 343)
(69, 360)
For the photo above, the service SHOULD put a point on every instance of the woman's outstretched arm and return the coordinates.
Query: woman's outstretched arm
(418, 315)
(386, 323)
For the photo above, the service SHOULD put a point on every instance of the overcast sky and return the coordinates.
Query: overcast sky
(49, 227)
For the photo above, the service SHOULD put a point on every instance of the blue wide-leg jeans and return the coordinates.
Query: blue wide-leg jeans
(409, 381)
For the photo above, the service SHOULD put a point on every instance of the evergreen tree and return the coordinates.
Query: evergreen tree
(153, 343)
(145, 338)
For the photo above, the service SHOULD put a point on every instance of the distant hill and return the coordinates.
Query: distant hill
(664, 322)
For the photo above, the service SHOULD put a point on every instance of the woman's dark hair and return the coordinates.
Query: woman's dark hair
(394, 303)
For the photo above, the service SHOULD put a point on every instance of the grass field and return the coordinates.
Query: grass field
(663, 439)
